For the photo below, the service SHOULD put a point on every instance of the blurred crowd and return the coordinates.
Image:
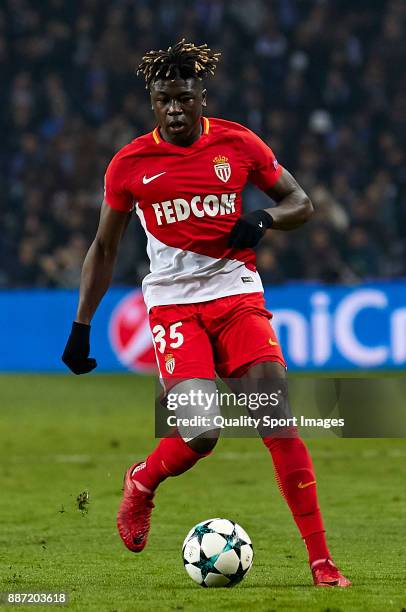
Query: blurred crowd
(322, 81)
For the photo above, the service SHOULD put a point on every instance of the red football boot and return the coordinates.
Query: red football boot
(134, 514)
(326, 574)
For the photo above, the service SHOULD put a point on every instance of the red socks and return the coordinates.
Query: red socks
(294, 474)
(297, 483)
(171, 457)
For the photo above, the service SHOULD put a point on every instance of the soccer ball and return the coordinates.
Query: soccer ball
(217, 553)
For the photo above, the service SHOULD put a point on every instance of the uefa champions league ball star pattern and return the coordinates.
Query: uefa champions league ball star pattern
(217, 553)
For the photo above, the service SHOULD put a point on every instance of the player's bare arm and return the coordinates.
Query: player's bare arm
(293, 208)
(96, 277)
(99, 263)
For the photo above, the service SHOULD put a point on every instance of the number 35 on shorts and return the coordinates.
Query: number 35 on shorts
(171, 337)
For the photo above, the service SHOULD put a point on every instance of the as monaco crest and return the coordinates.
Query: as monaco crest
(222, 168)
(169, 363)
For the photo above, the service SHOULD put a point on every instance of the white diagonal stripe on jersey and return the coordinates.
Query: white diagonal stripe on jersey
(185, 277)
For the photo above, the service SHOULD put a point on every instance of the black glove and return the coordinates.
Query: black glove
(77, 349)
(249, 229)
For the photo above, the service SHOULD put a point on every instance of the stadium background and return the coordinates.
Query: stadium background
(319, 80)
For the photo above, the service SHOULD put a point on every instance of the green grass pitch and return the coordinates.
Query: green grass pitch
(63, 435)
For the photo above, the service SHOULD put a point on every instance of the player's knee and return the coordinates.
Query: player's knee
(266, 370)
(196, 418)
(204, 443)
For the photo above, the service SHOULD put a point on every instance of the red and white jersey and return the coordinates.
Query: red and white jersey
(188, 199)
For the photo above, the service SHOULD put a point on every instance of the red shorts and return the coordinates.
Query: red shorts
(226, 336)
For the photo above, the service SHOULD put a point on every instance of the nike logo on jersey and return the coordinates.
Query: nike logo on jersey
(261, 224)
(146, 180)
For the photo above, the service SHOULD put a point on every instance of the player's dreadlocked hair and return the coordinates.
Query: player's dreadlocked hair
(182, 61)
